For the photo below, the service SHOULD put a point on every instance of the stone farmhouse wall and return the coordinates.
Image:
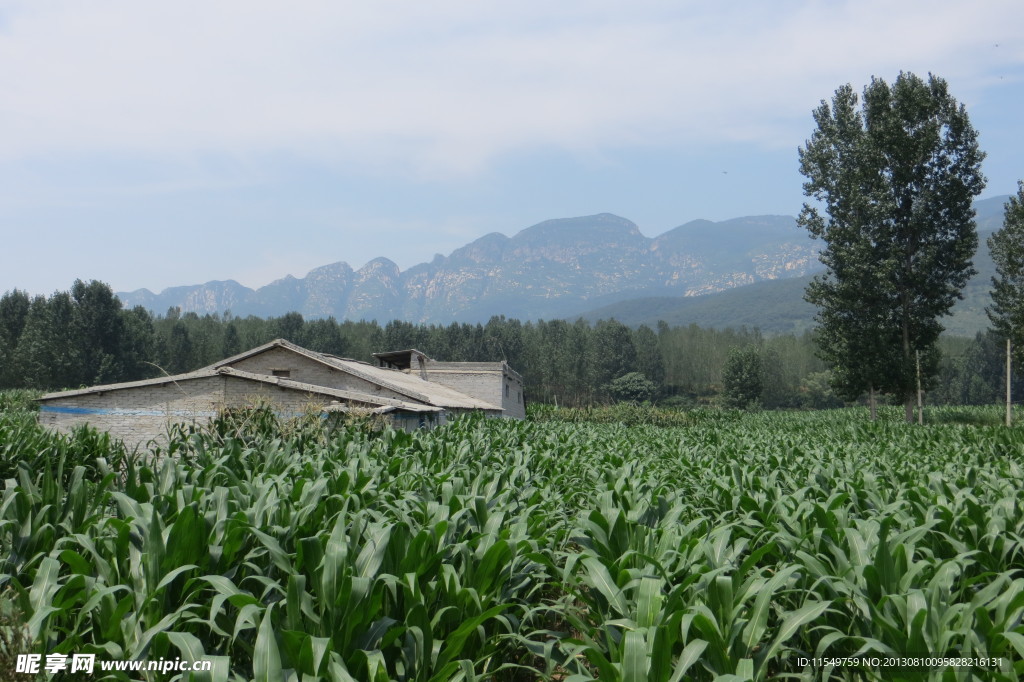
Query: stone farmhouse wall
(513, 398)
(140, 414)
(286, 402)
(309, 371)
(491, 382)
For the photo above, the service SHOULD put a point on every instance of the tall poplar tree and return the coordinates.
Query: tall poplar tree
(1007, 246)
(893, 177)
(98, 330)
(14, 307)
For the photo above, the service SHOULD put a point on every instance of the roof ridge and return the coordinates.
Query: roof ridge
(324, 359)
(304, 386)
(357, 372)
(278, 342)
(155, 381)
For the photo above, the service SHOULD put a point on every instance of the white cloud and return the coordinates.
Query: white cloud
(446, 87)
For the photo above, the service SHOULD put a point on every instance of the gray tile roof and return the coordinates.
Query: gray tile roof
(157, 381)
(405, 384)
(353, 396)
(413, 386)
(207, 372)
(425, 396)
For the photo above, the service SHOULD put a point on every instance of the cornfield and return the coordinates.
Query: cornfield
(732, 548)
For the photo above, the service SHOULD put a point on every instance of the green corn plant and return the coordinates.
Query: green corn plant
(723, 548)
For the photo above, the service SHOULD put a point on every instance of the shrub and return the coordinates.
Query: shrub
(742, 378)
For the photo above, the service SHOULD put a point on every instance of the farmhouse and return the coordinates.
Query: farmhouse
(410, 388)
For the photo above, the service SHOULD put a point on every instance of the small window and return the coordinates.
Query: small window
(283, 373)
(519, 397)
(506, 390)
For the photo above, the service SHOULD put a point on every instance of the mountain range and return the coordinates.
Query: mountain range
(557, 268)
(777, 306)
(748, 270)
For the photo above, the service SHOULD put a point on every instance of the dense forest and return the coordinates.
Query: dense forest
(84, 336)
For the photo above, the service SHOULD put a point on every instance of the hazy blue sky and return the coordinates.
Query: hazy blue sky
(152, 145)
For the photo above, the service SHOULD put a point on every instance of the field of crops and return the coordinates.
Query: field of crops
(727, 548)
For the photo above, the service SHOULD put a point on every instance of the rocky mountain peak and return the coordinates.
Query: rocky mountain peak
(554, 268)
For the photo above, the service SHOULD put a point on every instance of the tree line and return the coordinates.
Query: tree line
(84, 337)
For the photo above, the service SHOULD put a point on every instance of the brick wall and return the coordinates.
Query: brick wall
(137, 415)
(300, 367)
(240, 392)
(514, 402)
(489, 381)
(309, 371)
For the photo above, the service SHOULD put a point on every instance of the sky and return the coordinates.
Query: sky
(150, 145)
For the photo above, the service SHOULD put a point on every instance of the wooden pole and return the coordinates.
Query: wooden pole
(1009, 402)
(920, 397)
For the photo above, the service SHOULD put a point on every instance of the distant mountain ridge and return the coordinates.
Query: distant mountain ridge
(596, 266)
(778, 306)
(556, 268)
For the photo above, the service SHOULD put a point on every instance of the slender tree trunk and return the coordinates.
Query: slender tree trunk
(871, 404)
(920, 395)
(1009, 402)
(908, 398)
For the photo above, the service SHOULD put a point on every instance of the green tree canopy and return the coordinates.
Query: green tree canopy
(893, 177)
(14, 306)
(1007, 246)
(98, 330)
(633, 387)
(743, 378)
